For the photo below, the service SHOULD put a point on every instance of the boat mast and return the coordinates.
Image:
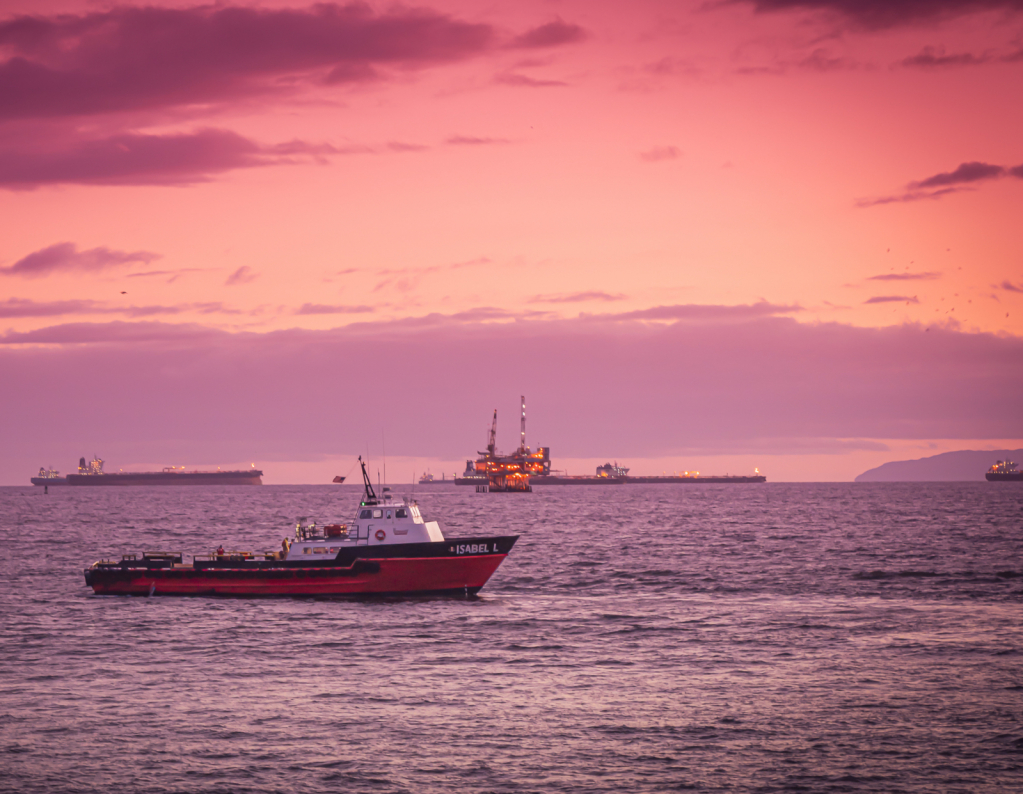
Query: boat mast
(371, 496)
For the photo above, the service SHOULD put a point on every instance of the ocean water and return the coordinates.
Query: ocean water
(758, 638)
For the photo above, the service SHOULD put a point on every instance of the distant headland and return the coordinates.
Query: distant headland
(961, 466)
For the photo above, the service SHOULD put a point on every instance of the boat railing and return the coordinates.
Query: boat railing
(172, 556)
(238, 556)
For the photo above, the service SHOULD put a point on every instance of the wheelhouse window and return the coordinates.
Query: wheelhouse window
(378, 514)
(388, 514)
(401, 512)
(365, 514)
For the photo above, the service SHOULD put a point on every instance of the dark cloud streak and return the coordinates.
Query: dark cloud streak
(892, 299)
(320, 308)
(66, 258)
(139, 58)
(927, 276)
(576, 297)
(934, 187)
(141, 159)
(24, 308)
(935, 57)
(698, 312)
(964, 174)
(883, 14)
(553, 34)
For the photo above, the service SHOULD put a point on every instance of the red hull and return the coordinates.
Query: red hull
(396, 575)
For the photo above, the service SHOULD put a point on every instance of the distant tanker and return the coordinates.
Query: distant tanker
(91, 473)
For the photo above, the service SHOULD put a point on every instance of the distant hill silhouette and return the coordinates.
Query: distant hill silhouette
(964, 465)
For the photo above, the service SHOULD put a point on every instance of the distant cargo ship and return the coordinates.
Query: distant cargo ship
(49, 477)
(604, 478)
(92, 473)
(1004, 471)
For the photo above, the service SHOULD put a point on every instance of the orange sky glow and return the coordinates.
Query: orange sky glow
(773, 233)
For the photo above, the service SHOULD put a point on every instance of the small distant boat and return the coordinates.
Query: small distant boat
(429, 479)
(389, 548)
(1004, 471)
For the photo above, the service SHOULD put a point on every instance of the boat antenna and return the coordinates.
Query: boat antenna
(371, 496)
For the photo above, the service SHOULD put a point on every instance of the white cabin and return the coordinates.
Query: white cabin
(377, 522)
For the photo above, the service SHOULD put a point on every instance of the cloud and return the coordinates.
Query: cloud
(242, 275)
(142, 58)
(522, 81)
(660, 153)
(1008, 286)
(553, 34)
(892, 299)
(964, 174)
(174, 274)
(22, 307)
(120, 331)
(479, 260)
(576, 297)
(918, 195)
(470, 140)
(399, 146)
(139, 159)
(699, 312)
(66, 258)
(933, 57)
(820, 60)
(320, 308)
(669, 66)
(934, 187)
(927, 276)
(882, 14)
(720, 385)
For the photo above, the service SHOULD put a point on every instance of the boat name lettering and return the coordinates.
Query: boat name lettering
(473, 548)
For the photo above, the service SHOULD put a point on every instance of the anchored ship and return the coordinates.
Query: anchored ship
(388, 548)
(91, 473)
(1004, 471)
(49, 476)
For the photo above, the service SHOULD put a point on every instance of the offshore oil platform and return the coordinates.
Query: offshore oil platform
(492, 471)
(523, 468)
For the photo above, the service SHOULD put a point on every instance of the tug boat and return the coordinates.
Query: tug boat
(389, 548)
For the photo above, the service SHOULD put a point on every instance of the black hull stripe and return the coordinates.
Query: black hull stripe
(404, 594)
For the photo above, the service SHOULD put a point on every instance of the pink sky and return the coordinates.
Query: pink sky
(774, 233)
